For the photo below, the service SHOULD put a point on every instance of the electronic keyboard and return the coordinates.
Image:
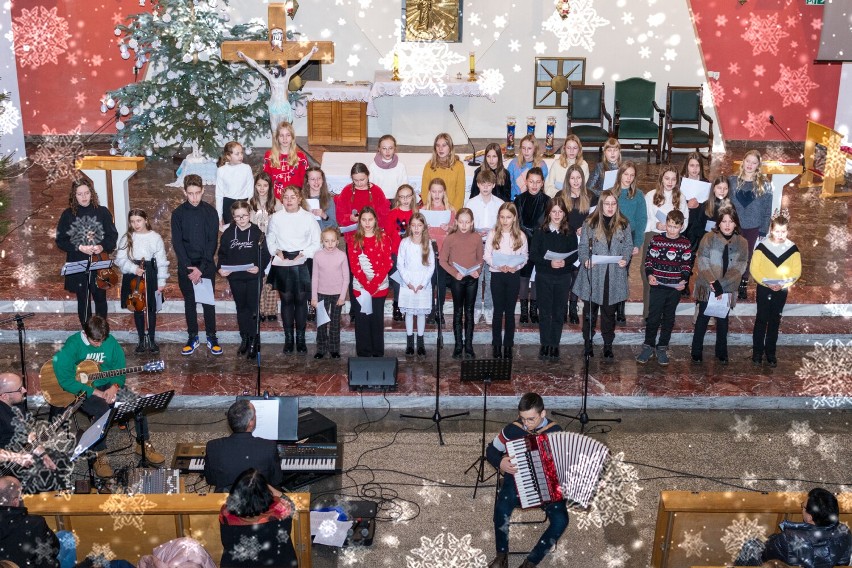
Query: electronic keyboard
(311, 457)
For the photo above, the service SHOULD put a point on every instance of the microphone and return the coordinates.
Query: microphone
(786, 136)
(473, 161)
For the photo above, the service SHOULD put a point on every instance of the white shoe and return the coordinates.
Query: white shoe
(477, 315)
(489, 316)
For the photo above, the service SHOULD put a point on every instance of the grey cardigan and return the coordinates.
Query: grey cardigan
(621, 245)
(708, 265)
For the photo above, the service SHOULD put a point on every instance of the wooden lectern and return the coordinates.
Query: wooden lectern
(110, 175)
(826, 160)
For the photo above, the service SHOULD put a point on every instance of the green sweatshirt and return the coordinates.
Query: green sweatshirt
(109, 356)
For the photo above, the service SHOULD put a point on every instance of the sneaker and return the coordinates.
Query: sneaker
(646, 354)
(152, 456)
(190, 347)
(662, 356)
(102, 467)
(213, 346)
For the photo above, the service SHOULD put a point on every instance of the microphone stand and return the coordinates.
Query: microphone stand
(473, 161)
(256, 340)
(19, 320)
(786, 136)
(583, 416)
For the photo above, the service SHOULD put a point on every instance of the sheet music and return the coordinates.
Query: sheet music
(322, 314)
(609, 179)
(693, 188)
(718, 308)
(266, 412)
(348, 228)
(204, 292)
(605, 259)
(501, 259)
(465, 271)
(550, 255)
(237, 267)
(366, 302)
(314, 204)
(435, 218)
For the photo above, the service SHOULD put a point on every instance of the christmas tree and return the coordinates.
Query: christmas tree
(194, 99)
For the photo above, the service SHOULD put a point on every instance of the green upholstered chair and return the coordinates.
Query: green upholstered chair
(684, 111)
(586, 106)
(638, 118)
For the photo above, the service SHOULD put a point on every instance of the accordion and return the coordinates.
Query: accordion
(557, 466)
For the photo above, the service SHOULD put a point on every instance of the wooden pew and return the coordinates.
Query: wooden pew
(96, 520)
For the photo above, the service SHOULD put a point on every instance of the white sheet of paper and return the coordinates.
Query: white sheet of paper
(693, 188)
(577, 263)
(317, 517)
(397, 277)
(661, 217)
(158, 298)
(332, 533)
(605, 259)
(709, 226)
(266, 412)
(532, 275)
(592, 209)
(776, 281)
(237, 267)
(513, 260)
(322, 314)
(348, 228)
(366, 302)
(465, 271)
(313, 204)
(435, 218)
(718, 308)
(609, 179)
(550, 255)
(278, 262)
(204, 292)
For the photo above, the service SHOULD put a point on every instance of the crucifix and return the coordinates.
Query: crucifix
(277, 49)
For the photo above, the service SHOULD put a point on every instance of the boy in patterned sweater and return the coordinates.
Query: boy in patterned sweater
(668, 264)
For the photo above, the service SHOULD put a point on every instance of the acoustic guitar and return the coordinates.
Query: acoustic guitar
(87, 370)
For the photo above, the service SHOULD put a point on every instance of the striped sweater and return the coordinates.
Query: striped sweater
(776, 261)
(669, 260)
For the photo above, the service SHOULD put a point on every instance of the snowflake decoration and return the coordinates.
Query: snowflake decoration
(422, 66)
(20, 305)
(828, 448)
(741, 530)
(756, 124)
(514, 45)
(353, 60)
(455, 553)
(794, 85)
(491, 82)
(559, 555)
(101, 555)
(617, 495)
(645, 52)
(749, 479)
(539, 47)
(26, 275)
(578, 29)
(721, 20)
(615, 556)
(826, 373)
(692, 544)
(816, 24)
(627, 18)
(431, 493)
(390, 541)
(717, 92)
(831, 267)
(44, 551)
(473, 19)
(127, 510)
(743, 428)
(58, 153)
(40, 36)
(499, 22)
(838, 237)
(764, 34)
(794, 463)
(283, 536)
(327, 528)
(670, 55)
(59, 444)
(734, 68)
(402, 512)
(10, 117)
(800, 433)
(248, 549)
(86, 230)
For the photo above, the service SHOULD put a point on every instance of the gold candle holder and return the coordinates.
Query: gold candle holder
(395, 74)
(472, 60)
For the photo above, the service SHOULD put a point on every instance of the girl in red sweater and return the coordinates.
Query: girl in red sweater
(370, 263)
(285, 163)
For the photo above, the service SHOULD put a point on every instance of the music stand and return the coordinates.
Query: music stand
(92, 435)
(19, 319)
(137, 408)
(485, 370)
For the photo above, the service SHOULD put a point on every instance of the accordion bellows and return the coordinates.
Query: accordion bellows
(557, 466)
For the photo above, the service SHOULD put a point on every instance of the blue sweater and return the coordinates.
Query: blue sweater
(754, 212)
(636, 212)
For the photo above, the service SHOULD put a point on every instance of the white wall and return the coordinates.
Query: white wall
(843, 119)
(10, 142)
(365, 28)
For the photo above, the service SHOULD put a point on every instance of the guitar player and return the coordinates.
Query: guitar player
(96, 344)
(12, 393)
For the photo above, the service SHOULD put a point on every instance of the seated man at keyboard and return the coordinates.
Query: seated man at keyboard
(531, 420)
(227, 458)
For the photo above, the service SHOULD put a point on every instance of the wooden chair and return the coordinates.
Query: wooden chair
(634, 115)
(684, 111)
(586, 105)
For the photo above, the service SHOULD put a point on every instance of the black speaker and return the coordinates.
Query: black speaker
(372, 373)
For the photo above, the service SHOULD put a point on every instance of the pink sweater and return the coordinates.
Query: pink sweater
(331, 273)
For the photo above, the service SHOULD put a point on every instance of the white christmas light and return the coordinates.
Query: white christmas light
(167, 18)
(152, 98)
(124, 110)
(119, 125)
(103, 108)
(110, 103)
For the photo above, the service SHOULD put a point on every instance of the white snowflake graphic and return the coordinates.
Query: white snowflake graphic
(794, 463)
(422, 65)
(800, 433)
(248, 549)
(749, 478)
(627, 18)
(838, 237)
(715, 91)
(10, 117)
(617, 495)
(645, 52)
(20, 305)
(740, 531)
(539, 47)
(43, 550)
(431, 493)
(327, 528)
(757, 123)
(514, 45)
(828, 448)
(473, 19)
(59, 443)
(26, 275)
(391, 541)
(559, 555)
(491, 82)
(578, 29)
(57, 154)
(794, 85)
(499, 22)
(402, 512)
(127, 510)
(615, 556)
(764, 34)
(354, 556)
(40, 36)
(101, 555)
(692, 544)
(446, 551)
(742, 428)
(826, 373)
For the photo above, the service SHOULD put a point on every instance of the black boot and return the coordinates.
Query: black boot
(409, 345)
(252, 348)
(288, 341)
(300, 342)
(543, 352)
(743, 291)
(457, 334)
(397, 315)
(525, 312)
(533, 311)
(619, 313)
(243, 344)
(421, 348)
(152, 345)
(468, 338)
(573, 316)
(507, 352)
(554, 353)
(142, 346)
(496, 352)
(608, 355)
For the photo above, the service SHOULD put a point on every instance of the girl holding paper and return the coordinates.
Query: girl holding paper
(240, 245)
(529, 157)
(463, 249)
(552, 275)
(263, 206)
(602, 285)
(438, 200)
(579, 203)
(357, 195)
(719, 266)
(611, 161)
(404, 206)
(506, 252)
(329, 284)
(631, 204)
(293, 236)
(370, 263)
(494, 164)
(319, 202)
(570, 155)
(416, 264)
(446, 166)
(776, 265)
(707, 212)
(693, 168)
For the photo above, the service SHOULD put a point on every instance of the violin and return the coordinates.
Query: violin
(137, 298)
(105, 278)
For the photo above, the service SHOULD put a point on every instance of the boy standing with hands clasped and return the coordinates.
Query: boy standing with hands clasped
(668, 264)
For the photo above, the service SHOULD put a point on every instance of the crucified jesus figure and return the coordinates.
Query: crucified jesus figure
(280, 109)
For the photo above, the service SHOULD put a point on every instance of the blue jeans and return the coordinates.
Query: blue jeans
(508, 501)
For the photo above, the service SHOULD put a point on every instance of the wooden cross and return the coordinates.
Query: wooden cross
(270, 50)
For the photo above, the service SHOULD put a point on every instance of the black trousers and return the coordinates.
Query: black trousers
(328, 335)
(97, 295)
(245, 295)
(370, 329)
(95, 407)
(504, 291)
(662, 304)
(464, 299)
(190, 309)
(701, 328)
(770, 304)
(552, 291)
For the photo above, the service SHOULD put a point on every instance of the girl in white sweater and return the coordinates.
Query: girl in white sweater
(387, 170)
(141, 254)
(234, 181)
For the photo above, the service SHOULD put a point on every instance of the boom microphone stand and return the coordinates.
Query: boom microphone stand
(256, 341)
(19, 319)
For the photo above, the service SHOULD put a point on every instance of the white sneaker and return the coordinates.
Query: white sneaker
(489, 316)
(477, 315)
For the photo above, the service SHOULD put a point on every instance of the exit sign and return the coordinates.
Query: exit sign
(814, 2)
